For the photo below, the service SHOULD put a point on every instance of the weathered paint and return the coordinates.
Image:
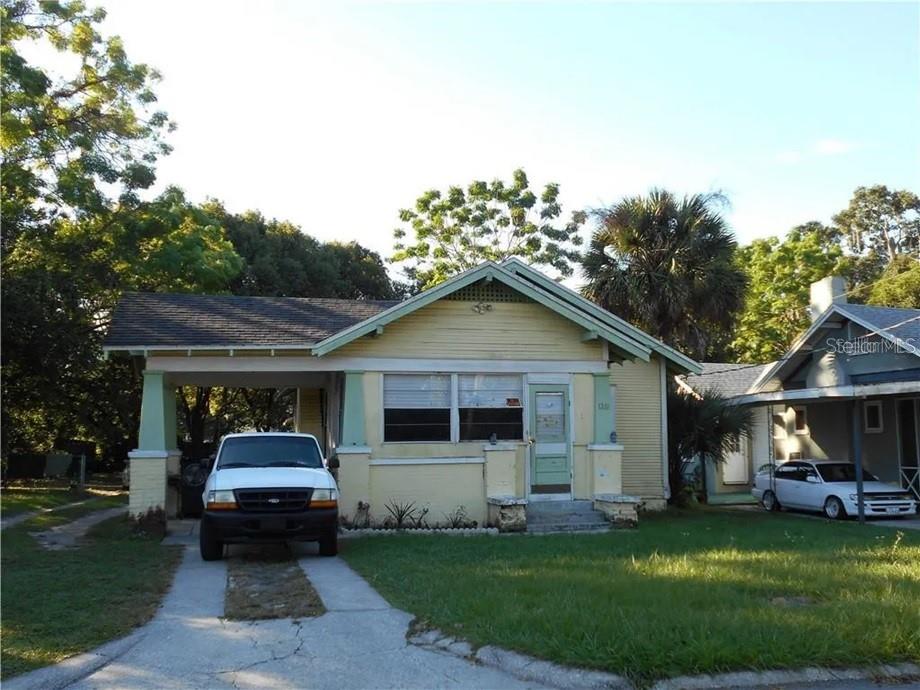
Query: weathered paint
(638, 425)
(500, 470)
(453, 330)
(441, 489)
(309, 412)
(158, 413)
(603, 409)
(353, 410)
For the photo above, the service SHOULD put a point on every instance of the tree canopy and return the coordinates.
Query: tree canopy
(883, 220)
(446, 234)
(779, 274)
(666, 265)
(78, 151)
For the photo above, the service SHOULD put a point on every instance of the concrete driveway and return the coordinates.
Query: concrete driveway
(359, 643)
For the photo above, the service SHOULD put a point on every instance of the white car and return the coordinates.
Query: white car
(269, 487)
(830, 487)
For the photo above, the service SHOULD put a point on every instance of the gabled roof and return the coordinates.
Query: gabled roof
(898, 326)
(729, 379)
(152, 320)
(180, 321)
(488, 271)
(677, 358)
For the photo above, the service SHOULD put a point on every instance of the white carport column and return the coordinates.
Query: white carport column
(156, 457)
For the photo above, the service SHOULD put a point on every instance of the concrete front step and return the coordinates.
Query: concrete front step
(580, 506)
(593, 517)
(558, 527)
(565, 516)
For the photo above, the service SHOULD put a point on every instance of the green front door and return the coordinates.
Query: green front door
(550, 449)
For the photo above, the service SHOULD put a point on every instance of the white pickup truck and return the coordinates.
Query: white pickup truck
(269, 487)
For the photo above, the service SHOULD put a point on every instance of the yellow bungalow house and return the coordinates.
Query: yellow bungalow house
(495, 389)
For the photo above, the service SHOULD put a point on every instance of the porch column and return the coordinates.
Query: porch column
(156, 456)
(604, 423)
(857, 457)
(353, 410)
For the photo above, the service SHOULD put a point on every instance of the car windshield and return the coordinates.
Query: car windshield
(269, 451)
(842, 472)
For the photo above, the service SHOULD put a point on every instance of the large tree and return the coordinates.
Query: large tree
(445, 234)
(666, 265)
(77, 148)
(883, 220)
(71, 143)
(59, 289)
(779, 274)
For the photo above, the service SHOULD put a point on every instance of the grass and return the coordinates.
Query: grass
(15, 501)
(269, 583)
(703, 591)
(24, 496)
(60, 603)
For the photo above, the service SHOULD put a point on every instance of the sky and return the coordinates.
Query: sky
(336, 115)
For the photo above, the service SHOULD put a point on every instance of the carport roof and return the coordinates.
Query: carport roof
(151, 320)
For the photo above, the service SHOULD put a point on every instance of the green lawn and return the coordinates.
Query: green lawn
(60, 603)
(14, 501)
(691, 592)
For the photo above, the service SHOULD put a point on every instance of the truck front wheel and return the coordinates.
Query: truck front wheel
(329, 544)
(212, 549)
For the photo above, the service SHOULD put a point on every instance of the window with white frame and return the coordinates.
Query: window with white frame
(452, 407)
(416, 407)
(872, 419)
(490, 405)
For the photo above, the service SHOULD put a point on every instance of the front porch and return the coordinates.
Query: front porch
(489, 482)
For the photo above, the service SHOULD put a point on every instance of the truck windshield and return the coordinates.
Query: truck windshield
(269, 451)
(842, 472)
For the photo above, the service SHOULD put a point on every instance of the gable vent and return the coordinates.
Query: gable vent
(481, 291)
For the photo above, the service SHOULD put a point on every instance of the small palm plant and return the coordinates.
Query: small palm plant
(704, 427)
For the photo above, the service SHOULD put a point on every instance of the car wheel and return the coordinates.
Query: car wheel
(833, 508)
(769, 501)
(212, 549)
(329, 545)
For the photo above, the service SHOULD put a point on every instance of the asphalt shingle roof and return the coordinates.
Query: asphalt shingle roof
(185, 320)
(900, 323)
(729, 379)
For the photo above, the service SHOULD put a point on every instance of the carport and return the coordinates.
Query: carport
(228, 341)
(843, 429)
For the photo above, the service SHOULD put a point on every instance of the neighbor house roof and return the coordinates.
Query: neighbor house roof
(899, 326)
(730, 380)
(151, 320)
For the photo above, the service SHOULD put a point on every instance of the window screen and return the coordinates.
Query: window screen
(416, 407)
(491, 404)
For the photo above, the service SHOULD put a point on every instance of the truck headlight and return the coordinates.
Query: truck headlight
(221, 500)
(854, 497)
(324, 498)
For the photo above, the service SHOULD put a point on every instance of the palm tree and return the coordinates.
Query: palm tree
(666, 265)
(702, 427)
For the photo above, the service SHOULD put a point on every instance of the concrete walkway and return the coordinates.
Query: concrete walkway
(67, 535)
(22, 517)
(359, 643)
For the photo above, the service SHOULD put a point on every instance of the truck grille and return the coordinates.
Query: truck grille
(273, 500)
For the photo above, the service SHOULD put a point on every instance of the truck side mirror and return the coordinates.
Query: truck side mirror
(333, 462)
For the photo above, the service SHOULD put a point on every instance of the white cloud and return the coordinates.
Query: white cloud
(833, 147)
(822, 147)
